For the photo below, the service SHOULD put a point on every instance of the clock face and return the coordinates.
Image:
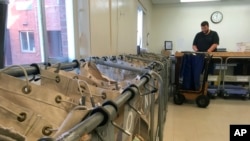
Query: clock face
(216, 17)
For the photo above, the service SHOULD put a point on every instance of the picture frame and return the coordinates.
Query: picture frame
(168, 45)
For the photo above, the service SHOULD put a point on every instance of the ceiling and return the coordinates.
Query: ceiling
(176, 1)
(165, 1)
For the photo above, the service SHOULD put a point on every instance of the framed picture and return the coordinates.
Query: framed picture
(168, 45)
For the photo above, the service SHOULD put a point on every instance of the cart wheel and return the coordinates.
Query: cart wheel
(217, 93)
(245, 97)
(214, 95)
(225, 95)
(202, 101)
(210, 95)
(179, 99)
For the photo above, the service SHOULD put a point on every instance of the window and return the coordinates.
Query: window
(139, 27)
(55, 44)
(27, 41)
(24, 34)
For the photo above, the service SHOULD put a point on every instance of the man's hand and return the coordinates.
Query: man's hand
(195, 48)
(212, 48)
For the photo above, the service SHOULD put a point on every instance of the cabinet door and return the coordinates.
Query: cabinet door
(100, 27)
(127, 26)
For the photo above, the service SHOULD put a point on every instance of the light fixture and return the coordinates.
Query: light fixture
(198, 0)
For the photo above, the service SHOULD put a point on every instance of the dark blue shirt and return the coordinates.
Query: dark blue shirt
(204, 42)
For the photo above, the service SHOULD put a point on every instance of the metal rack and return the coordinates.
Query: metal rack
(226, 91)
(104, 115)
(215, 91)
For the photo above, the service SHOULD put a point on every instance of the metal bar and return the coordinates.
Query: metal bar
(87, 126)
(43, 31)
(122, 99)
(224, 72)
(120, 66)
(31, 70)
(65, 66)
(3, 21)
(152, 117)
(219, 76)
(163, 76)
(139, 58)
(192, 52)
(161, 104)
(93, 121)
(18, 72)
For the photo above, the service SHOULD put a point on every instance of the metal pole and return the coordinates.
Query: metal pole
(43, 31)
(220, 74)
(32, 70)
(139, 58)
(120, 66)
(97, 118)
(82, 128)
(143, 58)
(152, 117)
(3, 21)
(65, 66)
(161, 104)
(226, 62)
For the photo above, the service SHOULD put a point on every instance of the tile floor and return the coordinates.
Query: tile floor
(187, 122)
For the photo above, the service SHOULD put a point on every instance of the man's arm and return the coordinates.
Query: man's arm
(212, 48)
(195, 48)
(216, 40)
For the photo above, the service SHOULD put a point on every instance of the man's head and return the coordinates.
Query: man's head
(205, 27)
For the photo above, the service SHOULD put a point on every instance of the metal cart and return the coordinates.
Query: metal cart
(235, 90)
(199, 92)
(214, 90)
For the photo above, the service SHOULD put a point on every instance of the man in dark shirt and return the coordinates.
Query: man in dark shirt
(206, 40)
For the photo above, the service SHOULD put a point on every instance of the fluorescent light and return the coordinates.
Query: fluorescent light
(198, 0)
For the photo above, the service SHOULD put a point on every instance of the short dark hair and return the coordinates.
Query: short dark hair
(204, 23)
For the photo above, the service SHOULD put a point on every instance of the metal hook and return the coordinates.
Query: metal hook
(58, 68)
(120, 128)
(149, 91)
(137, 111)
(33, 78)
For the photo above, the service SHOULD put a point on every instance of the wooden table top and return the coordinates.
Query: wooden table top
(222, 54)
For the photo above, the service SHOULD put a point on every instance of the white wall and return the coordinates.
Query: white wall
(180, 22)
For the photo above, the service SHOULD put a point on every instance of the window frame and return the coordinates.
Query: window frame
(28, 41)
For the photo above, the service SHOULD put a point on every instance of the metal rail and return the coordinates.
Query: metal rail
(226, 63)
(120, 66)
(100, 116)
(108, 111)
(163, 98)
(220, 73)
(34, 69)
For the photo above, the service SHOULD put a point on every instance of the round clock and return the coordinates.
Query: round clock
(216, 17)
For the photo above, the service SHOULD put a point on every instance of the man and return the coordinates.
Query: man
(206, 40)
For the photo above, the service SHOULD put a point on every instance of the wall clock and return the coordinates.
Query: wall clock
(216, 17)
